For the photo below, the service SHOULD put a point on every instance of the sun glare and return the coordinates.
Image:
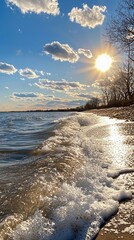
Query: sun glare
(103, 62)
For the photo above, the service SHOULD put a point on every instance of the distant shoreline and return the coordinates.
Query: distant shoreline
(51, 110)
(126, 113)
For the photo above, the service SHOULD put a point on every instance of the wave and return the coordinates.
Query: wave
(65, 193)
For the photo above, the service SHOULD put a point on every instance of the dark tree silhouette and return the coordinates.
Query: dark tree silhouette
(120, 31)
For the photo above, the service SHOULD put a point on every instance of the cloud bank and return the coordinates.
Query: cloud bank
(101, 83)
(36, 6)
(59, 85)
(28, 73)
(7, 68)
(84, 95)
(62, 52)
(88, 17)
(27, 95)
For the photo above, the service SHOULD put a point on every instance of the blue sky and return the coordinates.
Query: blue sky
(48, 49)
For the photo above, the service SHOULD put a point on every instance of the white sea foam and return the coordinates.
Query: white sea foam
(129, 230)
(85, 195)
(117, 173)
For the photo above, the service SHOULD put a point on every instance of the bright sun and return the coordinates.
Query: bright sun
(103, 62)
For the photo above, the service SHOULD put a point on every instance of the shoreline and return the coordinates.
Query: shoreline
(125, 113)
(121, 225)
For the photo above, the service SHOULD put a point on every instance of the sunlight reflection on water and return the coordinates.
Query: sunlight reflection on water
(116, 148)
(119, 150)
(114, 138)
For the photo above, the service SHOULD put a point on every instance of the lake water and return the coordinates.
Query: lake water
(57, 173)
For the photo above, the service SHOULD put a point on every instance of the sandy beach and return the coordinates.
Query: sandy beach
(121, 226)
(126, 113)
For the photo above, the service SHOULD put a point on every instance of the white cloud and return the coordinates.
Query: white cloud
(87, 53)
(27, 95)
(84, 95)
(88, 17)
(7, 68)
(36, 6)
(59, 103)
(63, 103)
(42, 73)
(53, 98)
(28, 73)
(101, 83)
(49, 74)
(80, 96)
(7, 88)
(62, 52)
(59, 85)
(38, 99)
(88, 96)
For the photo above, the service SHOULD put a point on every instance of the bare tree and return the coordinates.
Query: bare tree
(117, 89)
(120, 31)
(104, 85)
(92, 103)
(127, 76)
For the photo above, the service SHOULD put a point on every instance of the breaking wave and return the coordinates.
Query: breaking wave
(66, 192)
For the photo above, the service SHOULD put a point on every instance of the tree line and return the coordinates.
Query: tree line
(118, 89)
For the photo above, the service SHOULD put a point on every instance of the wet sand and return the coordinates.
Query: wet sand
(121, 226)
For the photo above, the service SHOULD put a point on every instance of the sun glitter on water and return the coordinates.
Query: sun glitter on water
(103, 62)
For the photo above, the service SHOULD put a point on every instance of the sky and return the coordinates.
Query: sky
(48, 50)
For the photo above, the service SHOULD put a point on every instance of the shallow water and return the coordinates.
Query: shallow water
(56, 173)
(22, 132)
